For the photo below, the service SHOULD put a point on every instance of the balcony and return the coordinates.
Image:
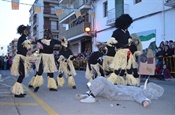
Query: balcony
(50, 13)
(81, 4)
(51, 1)
(50, 16)
(112, 14)
(76, 30)
(170, 3)
(66, 13)
(77, 4)
(64, 1)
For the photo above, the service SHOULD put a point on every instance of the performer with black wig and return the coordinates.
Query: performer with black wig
(45, 63)
(19, 66)
(124, 61)
(66, 66)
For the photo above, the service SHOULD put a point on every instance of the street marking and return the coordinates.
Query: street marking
(44, 105)
(18, 103)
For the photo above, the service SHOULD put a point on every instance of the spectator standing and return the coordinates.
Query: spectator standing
(5, 62)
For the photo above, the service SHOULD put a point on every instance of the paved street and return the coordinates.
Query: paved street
(63, 102)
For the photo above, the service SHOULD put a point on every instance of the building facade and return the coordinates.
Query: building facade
(73, 21)
(12, 48)
(158, 15)
(45, 19)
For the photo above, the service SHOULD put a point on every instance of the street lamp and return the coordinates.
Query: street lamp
(91, 33)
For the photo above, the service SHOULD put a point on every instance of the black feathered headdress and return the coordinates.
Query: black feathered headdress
(123, 22)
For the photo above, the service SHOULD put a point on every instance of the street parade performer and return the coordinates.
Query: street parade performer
(94, 63)
(109, 56)
(20, 64)
(124, 61)
(45, 63)
(103, 88)
(66, 66)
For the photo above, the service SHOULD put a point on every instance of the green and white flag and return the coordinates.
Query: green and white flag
(148, 38)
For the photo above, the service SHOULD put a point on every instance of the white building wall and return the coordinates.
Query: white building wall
(150, 15)
(40, 21)
(111, 4)
(144, 8)
(40, 17)
(149, 23)
(100, 22)
(170, 25)
(153, 15)
(102, 37)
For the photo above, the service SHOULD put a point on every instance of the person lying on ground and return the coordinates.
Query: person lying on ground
(102, 87)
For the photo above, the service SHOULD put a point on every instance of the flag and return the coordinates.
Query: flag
(147, 37)
(77, 13)
(37, 8)
(58, 10)
(15, 4)
(92, 13)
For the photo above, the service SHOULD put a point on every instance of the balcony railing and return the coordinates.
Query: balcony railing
(78, 3)
(75, 5)
(50, 16)
(48, 12)
(76, 30)
(170, 3)
(52, 1)
(66, 13)
(111, 17)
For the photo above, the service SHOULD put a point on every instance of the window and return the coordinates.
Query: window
(54, 25)
(105, 8)
(52, 10)
(137, 1)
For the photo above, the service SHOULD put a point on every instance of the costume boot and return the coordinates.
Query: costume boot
(52, 84)
(31, 82)
(120, 80)
(17, 90)
(71, 82)
(38, 81)
(131, 80)
(60, 80)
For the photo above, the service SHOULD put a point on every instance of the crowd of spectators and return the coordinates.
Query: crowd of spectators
(165, 56)
(81, 60)
(5, 62)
